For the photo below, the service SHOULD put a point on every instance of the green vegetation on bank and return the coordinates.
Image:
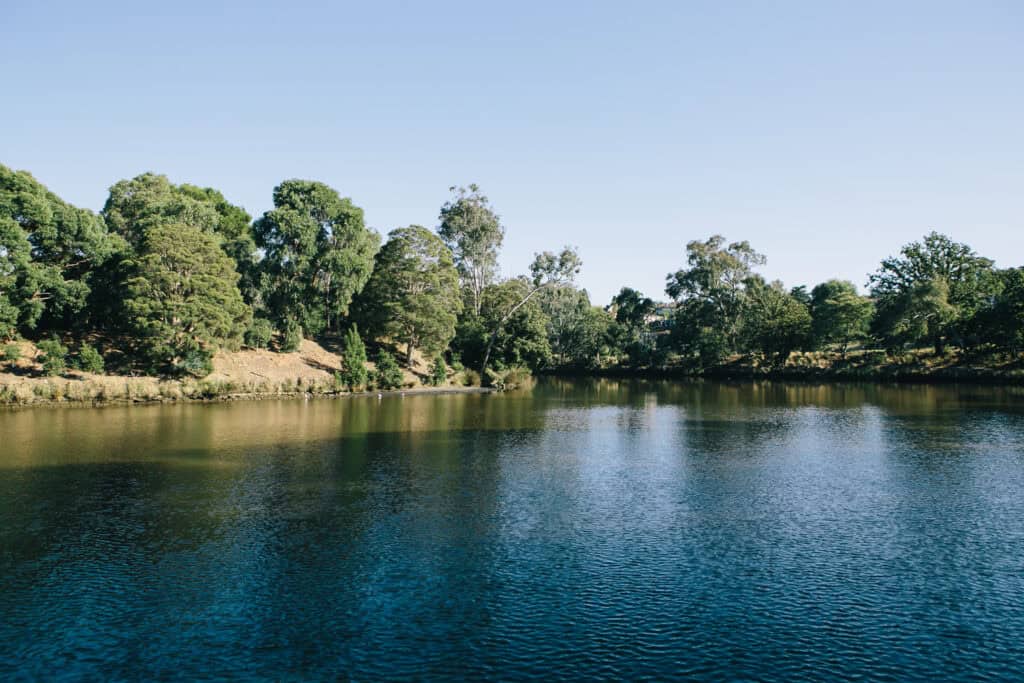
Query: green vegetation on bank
(166, 276)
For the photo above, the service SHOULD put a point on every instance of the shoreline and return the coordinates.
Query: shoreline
(198, 395)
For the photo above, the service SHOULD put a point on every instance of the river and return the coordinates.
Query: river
(584, 529)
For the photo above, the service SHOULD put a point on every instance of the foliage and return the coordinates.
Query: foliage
(547, 270)
(89, 359)
(388, 374)
(183, 295)
(259, 334)
(48, 250)
(353, 373)
(438, 372)
(775, 322)
(413, 295)
(196, 362)
(54, 356)
(149, 200)
(629, 335)
(839, 315)
(12, 353)
(711, 295)
(292, 337)
(927, 293)
(317, 255)
(1003, 323)
(473, 233)
(511, 330)
(469, 378)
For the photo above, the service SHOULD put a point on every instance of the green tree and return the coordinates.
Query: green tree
(565, 307)
(512, 328)
(632, 310)
(89, 359)
(547, 270)
(149, 200)
(183, 295)
(413, 294)
(353, 373)
(775, 322)
(48, 252)
(473, 232)
(259, 334)
(839, 315)
(711, 295)
(55, 356)
(954, 281)
(438, 371)
(1003, 322)
(318, 255)
(388, 375)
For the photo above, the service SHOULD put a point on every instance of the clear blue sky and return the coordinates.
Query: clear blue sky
(827, 134)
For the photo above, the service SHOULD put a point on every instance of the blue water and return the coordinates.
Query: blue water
(580, 530)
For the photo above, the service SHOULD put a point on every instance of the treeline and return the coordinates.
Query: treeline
(165, 275)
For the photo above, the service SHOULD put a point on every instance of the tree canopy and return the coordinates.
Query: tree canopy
(473, 232)
(413, 294)
(317, 255)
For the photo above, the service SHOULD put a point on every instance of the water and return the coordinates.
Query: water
(581, 530)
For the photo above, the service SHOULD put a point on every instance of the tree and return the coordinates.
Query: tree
(318, 255)
(711, 294)
(547, 270)
(48, 251)
(183, 295)
(1003, 323)
(353, 373)
(838, 314)
(775, 322)
(474, 234)
(388, 375)
(413, 294)
(149, 200)
(511, 329)
(934, 268)
(565, 307)
(438, 371)
(632, 310)
(54, 356)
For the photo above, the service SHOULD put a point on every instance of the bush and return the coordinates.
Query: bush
(292, 336)
(197, 363)
(89, 360)
(12, 353)
(54, 356)
(259, 334)
(389, 375)
(438, 372)
(508, 378)
(470, 378)
(353, 356)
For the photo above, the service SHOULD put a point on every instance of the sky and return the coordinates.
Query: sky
(827, 134)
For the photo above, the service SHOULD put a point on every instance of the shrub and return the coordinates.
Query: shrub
(438, 372)
(353, 356)
(197, 363)
(12, 352)
(292, 336)
(470, 378)
(389, 375)
(259, 334)
(89, 359)
(54, 356)
(508, 378)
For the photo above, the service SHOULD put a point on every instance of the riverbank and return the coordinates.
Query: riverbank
(242, 375)
(918, 366)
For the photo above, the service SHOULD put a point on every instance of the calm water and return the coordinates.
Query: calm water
(579, 530)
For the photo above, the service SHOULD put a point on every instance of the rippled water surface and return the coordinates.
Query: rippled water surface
(589, 529)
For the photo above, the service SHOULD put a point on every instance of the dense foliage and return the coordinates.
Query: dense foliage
(167, 275)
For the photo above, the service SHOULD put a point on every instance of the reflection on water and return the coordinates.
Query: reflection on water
(585, 528)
